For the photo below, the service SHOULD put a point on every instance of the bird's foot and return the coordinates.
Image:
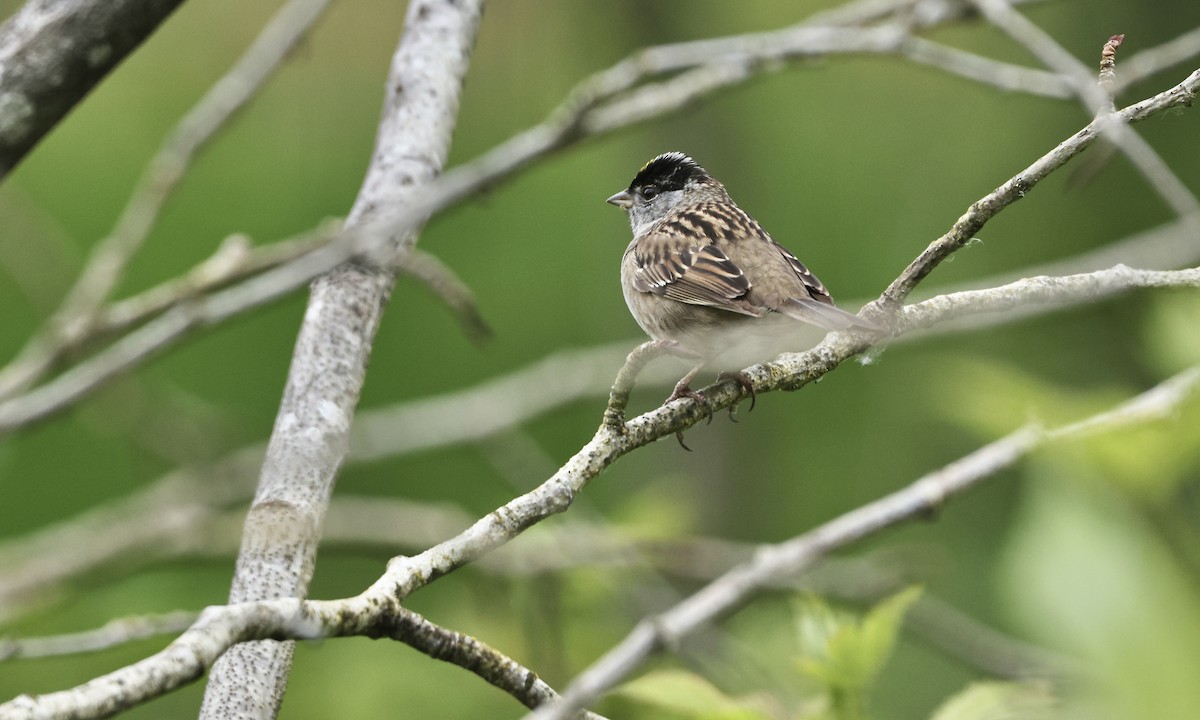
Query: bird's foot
(745, 384)
(682, 391)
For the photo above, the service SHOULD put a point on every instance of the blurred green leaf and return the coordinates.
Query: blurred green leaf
(1170, 331)
(1005, 397)
(880, 628)
(845, 654)
(1087, 573)
(1001, 701)
(684, 694)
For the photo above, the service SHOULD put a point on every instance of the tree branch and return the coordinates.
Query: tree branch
(925, 495)
(1097, 101)
(311, 434)
(375, 611)
(72, 323)
(52, 53)
(605, 102)
(1019, 185)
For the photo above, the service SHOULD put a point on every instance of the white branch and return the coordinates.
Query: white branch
(311, 434)
(377, 610)
(1097, 101)
(71, 323)
(925, 495)
(602, 103)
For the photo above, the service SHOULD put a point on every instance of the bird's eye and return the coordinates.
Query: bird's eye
(649, 192)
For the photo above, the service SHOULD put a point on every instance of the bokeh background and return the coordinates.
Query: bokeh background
(855, 163)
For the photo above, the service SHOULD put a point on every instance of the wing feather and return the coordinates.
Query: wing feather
(696, 275)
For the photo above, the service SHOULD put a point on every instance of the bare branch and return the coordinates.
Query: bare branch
(311, 435)
(114, 633)
(921, 13)
(467, 652)
(1019, 185)
(218, 628)
(1114, 126)
(923, 496)
(600, 104)
(373, 612)
(232, 261)
(108, 260)
(1041, 292)
(53, 53)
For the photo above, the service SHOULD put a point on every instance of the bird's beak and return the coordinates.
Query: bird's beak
(622, 200)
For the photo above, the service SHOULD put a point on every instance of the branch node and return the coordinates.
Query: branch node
(1108, 66)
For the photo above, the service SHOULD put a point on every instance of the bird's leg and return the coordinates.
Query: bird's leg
(683, 390)
(618, 398)
(740, 378)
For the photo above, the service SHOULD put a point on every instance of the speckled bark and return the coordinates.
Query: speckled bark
(311, 431)
(53, 52)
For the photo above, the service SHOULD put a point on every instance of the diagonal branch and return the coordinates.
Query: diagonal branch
(1019, 185)
(73, 320)
(374, 612)
(1097, 101)
(53, 53)
(925, 495)
(605, 102)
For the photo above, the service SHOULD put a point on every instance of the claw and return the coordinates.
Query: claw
(682, 391)
(745, 384)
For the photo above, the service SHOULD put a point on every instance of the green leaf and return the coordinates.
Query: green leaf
(685, 694)
(845, 654)
(1001, 701)
(880, 628)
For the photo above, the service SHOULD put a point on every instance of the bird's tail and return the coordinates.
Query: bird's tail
(824, 315)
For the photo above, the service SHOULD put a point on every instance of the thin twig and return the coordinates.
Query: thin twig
(1098, 102)
(471, 654)
(1019, 185)
(110, 257)
(602, 103)
(923, 496)
(113, 634)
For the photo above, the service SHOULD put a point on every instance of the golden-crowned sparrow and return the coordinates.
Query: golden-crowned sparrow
(700, 271)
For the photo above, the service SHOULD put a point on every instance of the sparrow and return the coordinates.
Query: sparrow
(702, 277)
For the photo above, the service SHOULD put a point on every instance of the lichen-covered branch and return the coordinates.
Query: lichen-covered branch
(927, 494)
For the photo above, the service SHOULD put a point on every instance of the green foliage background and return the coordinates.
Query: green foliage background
(855, 163)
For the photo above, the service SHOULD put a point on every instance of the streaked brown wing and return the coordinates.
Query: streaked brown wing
(815, 287)
(697, 275)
